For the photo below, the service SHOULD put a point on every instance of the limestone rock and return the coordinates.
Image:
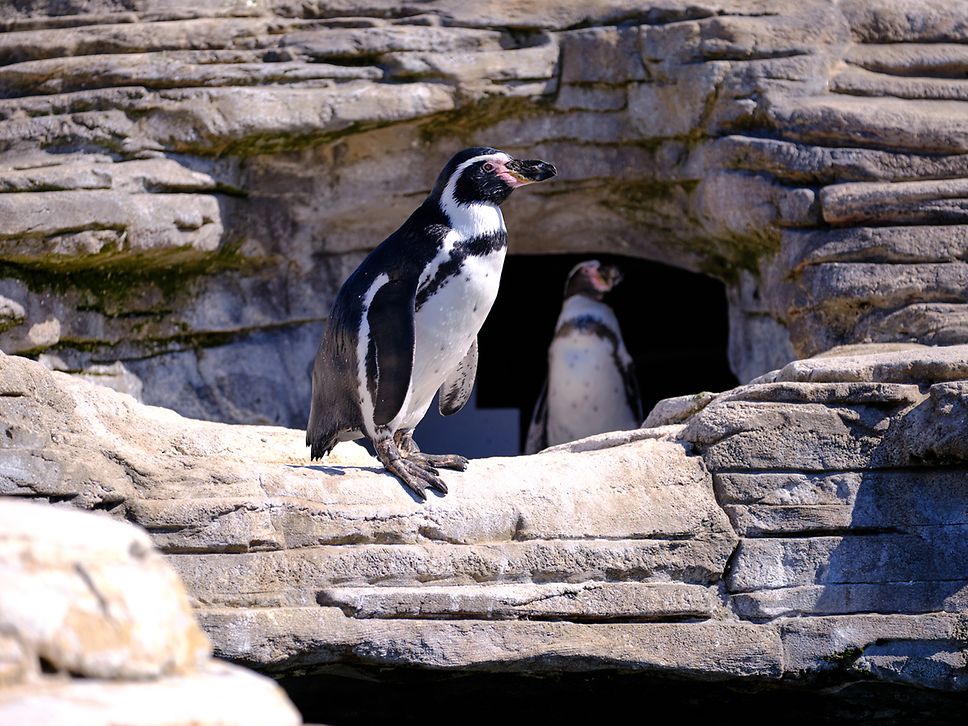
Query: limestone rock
(184, 185)
(89, 598)
(811, 525)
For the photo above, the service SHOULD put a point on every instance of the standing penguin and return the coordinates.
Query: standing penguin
(591, 386)
(405, 323)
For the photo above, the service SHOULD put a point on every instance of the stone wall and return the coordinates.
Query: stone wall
(184, 185)
(805, 529)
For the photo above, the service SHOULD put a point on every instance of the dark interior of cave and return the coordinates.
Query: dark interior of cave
(674, 323)
(357, 696)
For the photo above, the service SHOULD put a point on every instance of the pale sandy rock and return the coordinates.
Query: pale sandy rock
(924, 364)
(671, 411)
(96, 628)
(216, 695)
(521, 646)
(857, 644)
(111, 608)
(774, 533)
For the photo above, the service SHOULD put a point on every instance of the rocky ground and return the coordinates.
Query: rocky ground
(186, 184)
(806, 528)
(96, 629)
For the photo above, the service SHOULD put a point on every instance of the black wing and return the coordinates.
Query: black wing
(389, 360)
(538, 430)
(632, 394)
(457, 388)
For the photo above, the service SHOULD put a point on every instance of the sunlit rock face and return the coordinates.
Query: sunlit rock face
(185, 185)
(805, 529)
(96, 628)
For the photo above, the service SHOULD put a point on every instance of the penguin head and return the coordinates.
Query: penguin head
(483, 175)
(592, 279)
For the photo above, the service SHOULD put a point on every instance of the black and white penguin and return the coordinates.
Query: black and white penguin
(591, 386)
(405, 323)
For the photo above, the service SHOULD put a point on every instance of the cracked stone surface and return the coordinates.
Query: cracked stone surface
(807, 526)
(185, 185)
(96, 628)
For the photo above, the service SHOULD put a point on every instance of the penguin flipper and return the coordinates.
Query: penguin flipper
(538, 430)
(632, 393)
(392, 340)
(456, 390)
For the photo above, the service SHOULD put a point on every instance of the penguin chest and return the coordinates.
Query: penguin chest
(586, 389)
(447, 323)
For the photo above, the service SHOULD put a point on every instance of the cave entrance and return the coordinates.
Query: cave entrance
(674, 322)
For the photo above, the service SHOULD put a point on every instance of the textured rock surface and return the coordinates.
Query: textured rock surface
(811, 525)
(96, 629)
(186, 184)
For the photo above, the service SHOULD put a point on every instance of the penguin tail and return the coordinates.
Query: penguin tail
(321, 435)
(321, 447)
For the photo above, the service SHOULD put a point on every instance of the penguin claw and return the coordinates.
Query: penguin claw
(444, 461)
(417, 478)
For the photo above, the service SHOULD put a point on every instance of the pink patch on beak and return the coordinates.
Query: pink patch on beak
(508, 178)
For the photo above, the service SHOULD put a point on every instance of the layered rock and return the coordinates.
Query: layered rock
(809, 525)
(95, 628)
(185, 185)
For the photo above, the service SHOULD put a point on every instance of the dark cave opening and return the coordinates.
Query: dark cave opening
(674, 322)
(350, 695)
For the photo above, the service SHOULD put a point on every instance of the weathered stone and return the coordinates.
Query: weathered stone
(923, 555)
(261, 150)
(216, 695)
(326, 634)
(853, 643)
(95, 628)
(598, 601)
(676, 410)
(112, 608)
(900, 202)
(912, 364)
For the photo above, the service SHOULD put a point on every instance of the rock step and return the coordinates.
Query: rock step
(586, 602)
(285, 638)
(858, 82)
(295, 576)
(882, 123)
(806, 163)
(838, 598)
(906, 245)
(922, 554)
(934, 202)
(934, 60)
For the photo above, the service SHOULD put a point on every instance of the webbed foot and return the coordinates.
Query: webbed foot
(416, 476)
(443, 461)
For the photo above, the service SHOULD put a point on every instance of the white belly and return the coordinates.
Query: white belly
(586, 392)
(446, 325)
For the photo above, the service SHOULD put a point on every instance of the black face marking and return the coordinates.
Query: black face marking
(448, 171)
(477, 247)
(477, 185)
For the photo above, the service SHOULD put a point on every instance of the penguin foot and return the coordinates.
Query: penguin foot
(416, 476)
(443, 461)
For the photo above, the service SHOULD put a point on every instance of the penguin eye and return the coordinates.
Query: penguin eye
(488, 166)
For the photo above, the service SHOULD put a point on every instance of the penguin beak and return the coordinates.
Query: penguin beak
(528, 171)
(611, 274)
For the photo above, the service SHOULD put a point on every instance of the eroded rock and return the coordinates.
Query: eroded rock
(217, 171)
(812, 524)
(95, 628)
